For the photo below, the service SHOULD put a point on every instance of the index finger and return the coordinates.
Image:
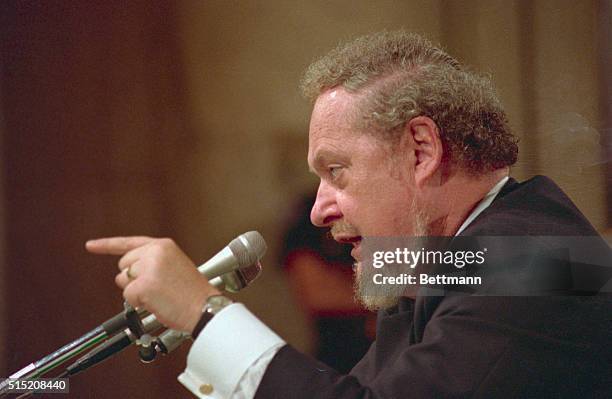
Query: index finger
(116, 245)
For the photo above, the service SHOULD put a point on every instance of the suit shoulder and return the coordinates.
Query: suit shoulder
(534, 207)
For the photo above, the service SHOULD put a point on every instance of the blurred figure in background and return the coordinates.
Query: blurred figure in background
(321, 277)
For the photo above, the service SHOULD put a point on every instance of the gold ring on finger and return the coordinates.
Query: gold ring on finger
(129, 274)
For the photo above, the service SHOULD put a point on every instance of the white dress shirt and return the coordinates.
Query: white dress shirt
(230, 356)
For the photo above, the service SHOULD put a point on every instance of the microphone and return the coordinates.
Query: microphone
(169, 340)
(243, 251)
(238, 279)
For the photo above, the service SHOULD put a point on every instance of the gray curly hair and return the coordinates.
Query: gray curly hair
(402, 75)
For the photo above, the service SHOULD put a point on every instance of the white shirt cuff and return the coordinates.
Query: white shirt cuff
(225, 349)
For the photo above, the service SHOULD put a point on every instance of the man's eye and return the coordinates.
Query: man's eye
(334, 171)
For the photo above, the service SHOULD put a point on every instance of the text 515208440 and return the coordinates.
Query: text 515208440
(36, 385)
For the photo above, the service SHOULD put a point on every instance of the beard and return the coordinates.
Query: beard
(383, 296)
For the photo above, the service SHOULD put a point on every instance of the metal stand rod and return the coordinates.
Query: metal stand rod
(48, 363)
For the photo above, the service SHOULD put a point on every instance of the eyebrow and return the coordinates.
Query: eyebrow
(312, 169)
(321, 158)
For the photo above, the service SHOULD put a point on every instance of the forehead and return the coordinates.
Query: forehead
(335, 103)
(331, 122)
(333, 134)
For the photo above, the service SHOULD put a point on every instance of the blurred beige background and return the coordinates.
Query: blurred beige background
(183, 119)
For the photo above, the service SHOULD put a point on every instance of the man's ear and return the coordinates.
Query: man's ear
(428, 149)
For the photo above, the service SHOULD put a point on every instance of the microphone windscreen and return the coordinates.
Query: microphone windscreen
(248, 248)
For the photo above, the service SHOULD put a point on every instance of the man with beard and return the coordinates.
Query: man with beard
(406, 142)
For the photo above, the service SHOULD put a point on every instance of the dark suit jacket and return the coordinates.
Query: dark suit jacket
(467, 346)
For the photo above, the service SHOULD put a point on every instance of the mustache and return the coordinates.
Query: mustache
(341, 227)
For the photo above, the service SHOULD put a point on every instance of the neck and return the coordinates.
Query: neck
(460, 195)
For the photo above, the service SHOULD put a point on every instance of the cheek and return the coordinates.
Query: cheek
(357, 208)
(375, 203)
(389, 213)
(347, 203)
(362, 210)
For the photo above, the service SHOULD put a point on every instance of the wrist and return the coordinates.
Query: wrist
(196, 306)
(213, 305)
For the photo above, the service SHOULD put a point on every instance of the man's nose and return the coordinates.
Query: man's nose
(325, 209)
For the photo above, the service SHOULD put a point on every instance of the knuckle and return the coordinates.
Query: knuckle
(167, 243)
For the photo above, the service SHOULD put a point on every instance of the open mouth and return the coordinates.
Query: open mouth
(355, 241)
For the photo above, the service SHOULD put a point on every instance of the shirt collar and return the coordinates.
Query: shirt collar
(483, 204)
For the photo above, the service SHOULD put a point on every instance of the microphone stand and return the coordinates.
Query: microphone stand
(167, 341)
(130, 318)
(241, 255)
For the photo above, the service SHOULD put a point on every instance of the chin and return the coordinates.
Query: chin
(372, 297)
(375, 303)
